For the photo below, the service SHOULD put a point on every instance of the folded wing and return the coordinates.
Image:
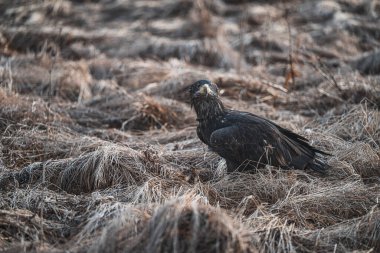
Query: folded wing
(248, 137)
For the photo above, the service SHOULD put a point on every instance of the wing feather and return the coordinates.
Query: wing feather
(262, 141)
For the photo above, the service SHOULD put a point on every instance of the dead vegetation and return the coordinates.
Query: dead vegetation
(98, 148)
(180, 225)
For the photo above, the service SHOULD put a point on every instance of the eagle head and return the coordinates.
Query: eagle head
(205, 99)
(203, 89)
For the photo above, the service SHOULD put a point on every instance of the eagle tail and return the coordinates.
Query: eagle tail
(318, 165)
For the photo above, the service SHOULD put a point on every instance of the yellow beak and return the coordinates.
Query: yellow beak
(206, 90)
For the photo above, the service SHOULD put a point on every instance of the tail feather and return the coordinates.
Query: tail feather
(317, 151)
(318, 165)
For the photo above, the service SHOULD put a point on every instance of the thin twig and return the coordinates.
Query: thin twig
(241, 38)
(56, 54)
(291, 73)
(329, 74)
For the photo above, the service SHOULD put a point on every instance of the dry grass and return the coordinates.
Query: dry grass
(98, 146)
(181, 225)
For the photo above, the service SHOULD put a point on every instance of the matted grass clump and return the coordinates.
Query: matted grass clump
(182, 225)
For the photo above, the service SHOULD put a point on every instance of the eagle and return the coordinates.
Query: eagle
(247, 141)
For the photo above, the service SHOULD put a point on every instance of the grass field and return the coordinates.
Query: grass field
(98, 148)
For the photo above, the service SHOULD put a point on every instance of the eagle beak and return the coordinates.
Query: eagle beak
(205, 90)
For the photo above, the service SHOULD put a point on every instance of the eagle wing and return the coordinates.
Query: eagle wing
(250, 137)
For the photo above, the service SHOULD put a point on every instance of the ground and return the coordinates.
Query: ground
(98, 148)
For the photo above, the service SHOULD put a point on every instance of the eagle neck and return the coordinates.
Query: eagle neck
(209, 109)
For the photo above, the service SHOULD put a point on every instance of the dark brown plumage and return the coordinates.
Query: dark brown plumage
(247, 141)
